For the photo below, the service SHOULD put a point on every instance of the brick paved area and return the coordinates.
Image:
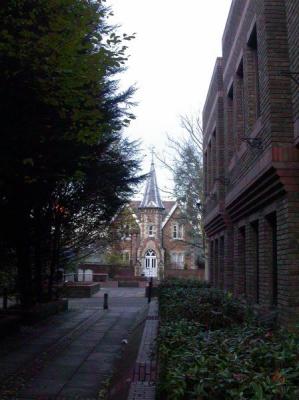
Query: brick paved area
(71, 354)
(143, 385)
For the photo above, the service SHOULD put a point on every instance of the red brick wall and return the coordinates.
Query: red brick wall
(260, 175)
(292, 9)
(174, 245)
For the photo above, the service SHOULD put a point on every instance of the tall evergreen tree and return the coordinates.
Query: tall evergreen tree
(62, 159)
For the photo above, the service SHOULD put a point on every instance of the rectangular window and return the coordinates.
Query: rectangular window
(181, 231)
(151, 230)
(177, 259)
(239, 106)
(177, 231)
(229, 124)
(253, 46)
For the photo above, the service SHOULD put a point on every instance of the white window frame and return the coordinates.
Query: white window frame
(178, 259)
(178, 231)
(174, 231)
(151, 230)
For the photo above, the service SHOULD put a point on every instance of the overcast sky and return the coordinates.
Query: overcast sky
(171, 62)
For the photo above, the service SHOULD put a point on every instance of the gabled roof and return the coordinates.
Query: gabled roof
(168, 216)
(151, 198)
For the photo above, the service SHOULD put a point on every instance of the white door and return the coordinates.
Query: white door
(150, 264)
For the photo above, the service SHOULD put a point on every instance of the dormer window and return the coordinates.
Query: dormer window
(177, 231)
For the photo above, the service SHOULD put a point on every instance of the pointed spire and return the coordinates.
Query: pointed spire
(151, 198)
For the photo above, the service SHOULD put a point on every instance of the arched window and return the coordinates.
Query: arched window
(150, 263)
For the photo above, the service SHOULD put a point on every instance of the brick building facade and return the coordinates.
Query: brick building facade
(251, 157)
(154, 237)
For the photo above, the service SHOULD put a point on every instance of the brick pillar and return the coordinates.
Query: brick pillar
(221, 262)
(288, 259)
(267, 264)
(228, 121)
(239, 256)
(205, 163)
(213, 159)
(216, 262)
(209, 167)
(228, 259)
(252, 262)
(211, 263)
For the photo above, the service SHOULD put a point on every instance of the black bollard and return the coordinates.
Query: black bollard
(149, 299)
(105, 301)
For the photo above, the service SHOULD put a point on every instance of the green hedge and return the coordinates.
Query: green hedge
(210, 347)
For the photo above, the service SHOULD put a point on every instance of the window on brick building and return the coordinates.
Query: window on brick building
(254, 68)
(177, 231)
(240, 104)
(177, 259)
(151, 230)
(230, 124)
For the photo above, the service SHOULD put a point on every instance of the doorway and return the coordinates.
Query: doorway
(150, 264)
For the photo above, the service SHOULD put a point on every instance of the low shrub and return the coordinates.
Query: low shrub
(183, 283)
(211, 348)
(210, 307)
(244, 362)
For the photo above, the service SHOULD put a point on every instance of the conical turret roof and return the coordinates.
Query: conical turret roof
(151, 198)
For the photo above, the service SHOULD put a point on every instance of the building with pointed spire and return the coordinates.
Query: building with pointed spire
(153, 236)
(148, 238)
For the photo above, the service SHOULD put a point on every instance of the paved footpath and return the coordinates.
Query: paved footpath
(70, 355)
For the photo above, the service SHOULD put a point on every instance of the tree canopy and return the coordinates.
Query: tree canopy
(185, 162)
(64, 166)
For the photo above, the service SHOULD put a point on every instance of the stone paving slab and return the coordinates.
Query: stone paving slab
(142, 391)
(68, 358)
